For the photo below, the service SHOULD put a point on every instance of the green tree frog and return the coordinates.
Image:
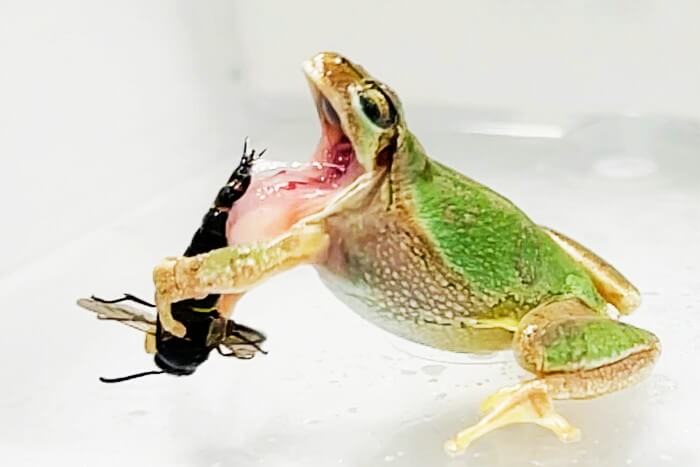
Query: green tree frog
(427, 254)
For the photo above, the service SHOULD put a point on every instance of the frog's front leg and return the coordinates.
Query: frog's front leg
(575, 353)
(232, 270)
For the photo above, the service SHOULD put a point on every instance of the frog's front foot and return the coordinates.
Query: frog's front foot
(528, 402)
(232, 270)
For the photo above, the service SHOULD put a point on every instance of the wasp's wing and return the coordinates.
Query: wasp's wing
(142, 320)
(241, 341)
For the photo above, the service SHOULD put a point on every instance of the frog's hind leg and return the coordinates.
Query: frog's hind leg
(575, 353)
(609, 282)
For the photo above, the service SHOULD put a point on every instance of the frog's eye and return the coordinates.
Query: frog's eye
(377, 107)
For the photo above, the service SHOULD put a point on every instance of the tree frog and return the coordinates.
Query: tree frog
(427, 254)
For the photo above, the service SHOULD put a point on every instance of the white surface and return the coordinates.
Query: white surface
(120, 120)
(334, 390)
(92, 92)
(526, 56)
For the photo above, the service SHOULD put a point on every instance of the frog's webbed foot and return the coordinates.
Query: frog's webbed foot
(231, 270)
(528, 402)
(576, 354)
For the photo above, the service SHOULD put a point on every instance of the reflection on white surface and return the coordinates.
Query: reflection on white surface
(522, 130)
(108, 101)
(334, 390)
(625, 167)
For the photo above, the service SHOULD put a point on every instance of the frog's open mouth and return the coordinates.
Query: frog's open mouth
(278, 198)
(334, 152)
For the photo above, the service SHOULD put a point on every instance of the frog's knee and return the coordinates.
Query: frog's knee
(164, 278)
(564, 337)
(177, 279)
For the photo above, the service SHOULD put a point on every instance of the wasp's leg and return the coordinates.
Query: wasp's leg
(150, 344)
(232, 270)
(575, 353)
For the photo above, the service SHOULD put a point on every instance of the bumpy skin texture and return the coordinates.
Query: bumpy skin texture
(568, 337)
(507, 259)
(442, 254)
(439, 259)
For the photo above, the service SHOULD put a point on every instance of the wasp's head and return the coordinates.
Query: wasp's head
(180, 357)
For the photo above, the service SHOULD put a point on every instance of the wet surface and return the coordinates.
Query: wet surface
(334, 390)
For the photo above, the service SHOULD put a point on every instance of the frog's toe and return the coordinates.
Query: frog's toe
(528, 402)
(496, 398)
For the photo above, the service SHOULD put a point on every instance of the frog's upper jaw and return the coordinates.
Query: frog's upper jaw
(368, 113)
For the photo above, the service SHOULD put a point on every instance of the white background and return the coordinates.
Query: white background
(119, 120)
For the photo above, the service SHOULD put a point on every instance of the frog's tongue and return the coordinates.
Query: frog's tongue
(278, 198)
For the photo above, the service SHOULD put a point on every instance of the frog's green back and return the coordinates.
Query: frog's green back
(506, 259)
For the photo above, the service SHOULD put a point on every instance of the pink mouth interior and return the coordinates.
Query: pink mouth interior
(277, 199)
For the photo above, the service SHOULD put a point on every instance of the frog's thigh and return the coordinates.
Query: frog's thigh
(575, 354)
(231, 270)
(609, 282)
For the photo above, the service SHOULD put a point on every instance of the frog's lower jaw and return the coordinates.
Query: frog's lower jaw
(576, 354)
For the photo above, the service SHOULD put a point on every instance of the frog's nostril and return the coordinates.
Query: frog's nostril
(329, 112)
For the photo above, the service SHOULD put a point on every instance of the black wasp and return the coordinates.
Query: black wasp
(206, 328)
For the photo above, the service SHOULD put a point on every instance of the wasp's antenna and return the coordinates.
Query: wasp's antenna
(246, 163)
(247, 158)
(260, 154)
(134, 376)
(126, 298)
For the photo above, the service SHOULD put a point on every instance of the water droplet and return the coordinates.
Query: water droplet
(484, 357)
(408, 372)
(389, 458)
(660, 386)
(440, 396)
(433, 370)
(353, 410)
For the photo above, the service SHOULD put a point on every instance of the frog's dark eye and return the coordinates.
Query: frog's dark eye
(377, 107)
